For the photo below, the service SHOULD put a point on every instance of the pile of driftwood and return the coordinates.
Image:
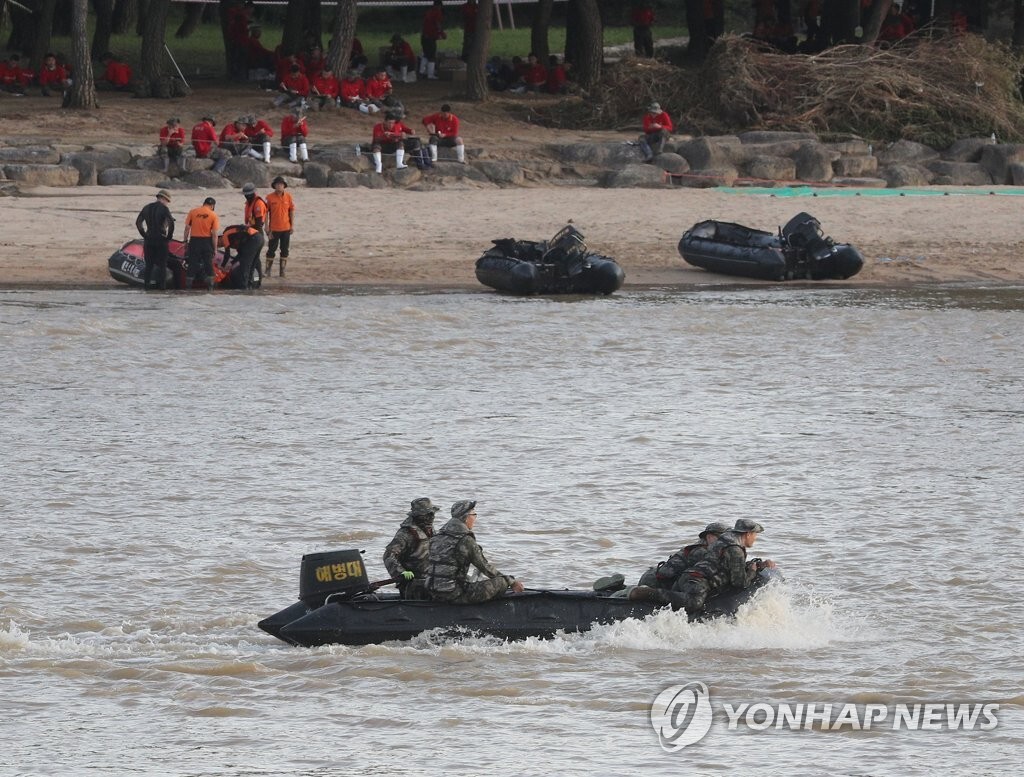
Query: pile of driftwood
(933, 91)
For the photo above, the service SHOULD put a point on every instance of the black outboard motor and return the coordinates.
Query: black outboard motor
(567, 250)
(323, 574)
(803, 232)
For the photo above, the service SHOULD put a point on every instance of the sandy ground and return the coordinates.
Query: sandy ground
(350, 237)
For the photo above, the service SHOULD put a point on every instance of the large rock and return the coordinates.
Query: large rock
(906, 152)
(124, 177)
(772, 168)
(242, 169)
(505, 173)
(369, 180)
(967, 149)
(711, 153)
(206, 179)
(997, 160)
(673, 164)
(337, 159)
(861, 183)
(707, 179)
(1017, 173)
(597, 154)
(345, 179)
(772, 136)
(814, 162)
(317, 174)
(42, 175)
(29, 155)
(959, 174)
(407, 176)
(855, 166)
(641, 176)
(458, 172)
(851, 147)
(898, 176)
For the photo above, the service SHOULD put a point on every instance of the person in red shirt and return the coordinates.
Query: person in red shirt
(535, 75)
(469, 12)
(356, 58)
(896, 25)
(433, 31)
(204, 143)
(53, 75)
(172, 143)
(379, 92)
(233, 139)
(315, 62)
(294, 88)
(352, 94)
(258, 56)
(657, 129)
(642, 19)
(294, 132)
(400, 59)
(556, 83)
(324, 89)
(239, 16)
(391, 136)
(259, 134)
(117, 75)
(443, 127)
(13, 77)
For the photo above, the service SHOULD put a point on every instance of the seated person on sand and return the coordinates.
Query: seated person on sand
(400, 59)
(13, 77)
(353, 94)
(392, 137)
(294, 87)
(378, 90)
(657, 129)
(117, 75)
(315, 62)
(233, 140)
(535, 75)
(443, 127)
(172, 144)
(259, 134)
(53, 75)
(357, 59)
(557, 78)
(324, 90)
(257, 56)
(294, 132)
(204, 142)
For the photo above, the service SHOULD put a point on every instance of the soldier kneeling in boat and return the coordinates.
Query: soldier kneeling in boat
(668, 573)
(406, 555)
(452, 551)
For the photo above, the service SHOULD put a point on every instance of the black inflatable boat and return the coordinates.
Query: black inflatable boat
(128, 265)
(345, 611)
(799, 251)
(562, 265)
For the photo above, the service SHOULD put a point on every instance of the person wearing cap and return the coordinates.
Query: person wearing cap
(204, 137)
(294, 87)
(280, 223)
(724, 566)
(259, 134)
(443, 127)
(201, 229)
(400, 59)
(352, 94)
(667, 573)
(156, 225)
(406, 555)
(255, 208)
(233, 140)
(392, 137)
(453, 550)
(657, 129)
(379, 91)
(324, 90)
(294, 132)
(172, 143)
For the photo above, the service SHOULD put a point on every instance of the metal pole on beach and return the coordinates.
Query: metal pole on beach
(182, 75)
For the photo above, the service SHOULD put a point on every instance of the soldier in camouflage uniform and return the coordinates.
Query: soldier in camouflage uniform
(724, 566)
(666, 574)
(453, 550)
(406, 555)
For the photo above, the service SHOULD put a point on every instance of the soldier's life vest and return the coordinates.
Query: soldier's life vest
(446, 566)
(236, 235)
(669, 571)
(414, 552)
(710, 568)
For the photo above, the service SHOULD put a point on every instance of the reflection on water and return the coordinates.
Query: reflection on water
(170, 458)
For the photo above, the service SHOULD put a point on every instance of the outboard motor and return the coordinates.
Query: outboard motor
(567, 250)
(323, 574)
(803, 232)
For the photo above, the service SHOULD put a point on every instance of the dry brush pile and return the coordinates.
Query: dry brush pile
(933, 91)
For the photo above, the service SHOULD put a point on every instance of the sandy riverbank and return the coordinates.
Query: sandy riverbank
(63, 237)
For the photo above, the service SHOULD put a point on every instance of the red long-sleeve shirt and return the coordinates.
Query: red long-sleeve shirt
(326, 85)
(433, 23)
(259, 128)
(232, 133)
(352, 89)
(118, 73)
(650, 120)
(643, 17)
(57, 76)
(297, 83)
(382, 134)
(204, 138)
(172, 138)
(378, 86)
(444, 127)
(290, 127)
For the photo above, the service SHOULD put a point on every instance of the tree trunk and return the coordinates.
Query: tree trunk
(476, 67)
(104, 27)
(151, 59)
(83, 88)
(590, 44)
(126, 13)
(23, 30)
(539, 31)
(340, 51)
(1018, 24)
(44, 24)
(193, 16)
(294, 23)
(879, 10)
(313, 23)
(697, 49)
(572, 36)
(840, 19)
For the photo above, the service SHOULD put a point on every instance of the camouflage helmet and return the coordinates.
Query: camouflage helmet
(422, 508)
(462, 508)
(715, 527)
(744, 525)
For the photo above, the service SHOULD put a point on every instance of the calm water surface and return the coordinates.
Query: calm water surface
(168, 459)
